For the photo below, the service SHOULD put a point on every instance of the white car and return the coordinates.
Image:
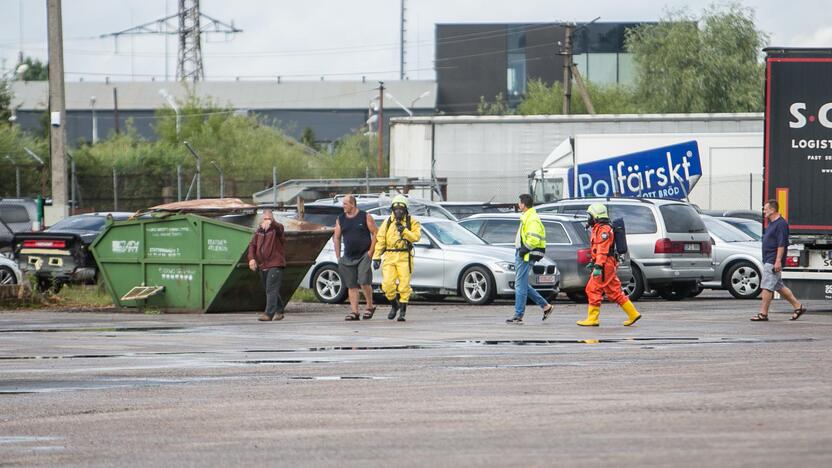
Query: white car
(449, 260)
(9, 272)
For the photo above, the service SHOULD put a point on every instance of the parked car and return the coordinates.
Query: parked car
(16, 215)
(463, 210)
(61, 254)
(738, 260)
(326, 210)
(670, 248)
(9, 272)
(746, 214)
(751, 228)
(449, 261)
(567, 244)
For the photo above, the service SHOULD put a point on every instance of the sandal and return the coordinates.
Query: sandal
(352, 316)
(798, 312)
(368, 313)
(760, 318)
(548, 310)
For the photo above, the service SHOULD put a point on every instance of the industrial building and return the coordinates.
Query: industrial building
(332, 109)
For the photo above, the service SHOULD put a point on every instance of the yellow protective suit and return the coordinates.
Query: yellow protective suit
(396, 256)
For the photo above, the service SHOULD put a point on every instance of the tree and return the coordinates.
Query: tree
(34, 70)
(307, 137)
(5, 102)
(706, 64)
(498, 107)
(541, 99)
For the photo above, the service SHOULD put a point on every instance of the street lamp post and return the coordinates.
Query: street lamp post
(172, 103)
(94, 121)
(198, 170)
(16, 175)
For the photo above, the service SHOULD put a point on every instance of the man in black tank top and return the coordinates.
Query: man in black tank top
(358, 231)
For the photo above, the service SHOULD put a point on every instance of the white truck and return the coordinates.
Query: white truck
(725, 168)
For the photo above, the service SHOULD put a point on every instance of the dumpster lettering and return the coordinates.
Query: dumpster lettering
(177, 274)
(163, 252)
(217, 245)
(124, 246)
(168, 231)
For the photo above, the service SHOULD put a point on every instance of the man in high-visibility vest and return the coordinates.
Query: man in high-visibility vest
(531, 246)
(604, 264)
(394, 242)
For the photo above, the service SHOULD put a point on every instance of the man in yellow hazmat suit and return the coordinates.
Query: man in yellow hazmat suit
(394, 244)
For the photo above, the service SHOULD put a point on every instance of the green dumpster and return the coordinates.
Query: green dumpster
(191, 263)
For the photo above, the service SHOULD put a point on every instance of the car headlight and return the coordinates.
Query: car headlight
(507, 266)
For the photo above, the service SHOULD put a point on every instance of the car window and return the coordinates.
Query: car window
(548, 209)
(680, 218)
(579, 228)
(501, 231)
(472, 225)
(449, 233)
(751, 228)
(79, 223)
(725, 231)
(555, 233)
(637, 219)
(14, 214)
(570, 209)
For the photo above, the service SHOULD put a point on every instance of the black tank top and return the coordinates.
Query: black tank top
(355, 233)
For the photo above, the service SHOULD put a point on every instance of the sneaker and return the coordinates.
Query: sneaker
(264, 318)
(278, 316)
(515, 319)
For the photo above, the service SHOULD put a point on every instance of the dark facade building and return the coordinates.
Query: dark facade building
(487, 60)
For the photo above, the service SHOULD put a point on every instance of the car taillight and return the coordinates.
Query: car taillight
(44, 244)
(666, 246)
(793, 261)
(707, 247)
(584, 256)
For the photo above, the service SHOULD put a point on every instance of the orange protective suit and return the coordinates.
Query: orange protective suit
(607, 283)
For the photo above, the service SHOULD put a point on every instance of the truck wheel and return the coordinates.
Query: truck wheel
(328, 286)
(743, 280)
(476, 286)
(49, 285)
(7, 276)
(634, 288)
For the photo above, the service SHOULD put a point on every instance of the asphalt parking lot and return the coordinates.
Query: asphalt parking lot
(694, 383)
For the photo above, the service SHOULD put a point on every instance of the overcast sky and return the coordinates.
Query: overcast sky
(338, 39)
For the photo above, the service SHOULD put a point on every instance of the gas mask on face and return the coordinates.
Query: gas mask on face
(399, 212)
(590, 222)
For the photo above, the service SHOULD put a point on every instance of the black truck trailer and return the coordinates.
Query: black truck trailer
(798, 162)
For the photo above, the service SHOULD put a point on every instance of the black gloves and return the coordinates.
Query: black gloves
(376, 264)
(400, 228)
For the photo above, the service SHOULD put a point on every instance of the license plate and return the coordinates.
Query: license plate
(692, 247)
(546, 279)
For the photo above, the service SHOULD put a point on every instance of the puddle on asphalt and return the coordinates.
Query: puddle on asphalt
(336, 377)
(90, 330)
(343, 348)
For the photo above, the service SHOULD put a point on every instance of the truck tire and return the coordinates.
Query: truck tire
(743, 280)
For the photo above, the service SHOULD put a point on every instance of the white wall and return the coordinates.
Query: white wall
(491, 157)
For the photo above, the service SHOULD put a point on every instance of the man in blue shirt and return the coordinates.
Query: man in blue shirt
(775, 243)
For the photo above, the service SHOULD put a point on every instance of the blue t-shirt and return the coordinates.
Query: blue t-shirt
(776, 235)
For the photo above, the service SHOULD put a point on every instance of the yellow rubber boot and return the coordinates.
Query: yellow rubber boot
(592, 313)
(632, 313)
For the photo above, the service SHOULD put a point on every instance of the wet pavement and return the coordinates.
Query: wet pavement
(694, 383)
